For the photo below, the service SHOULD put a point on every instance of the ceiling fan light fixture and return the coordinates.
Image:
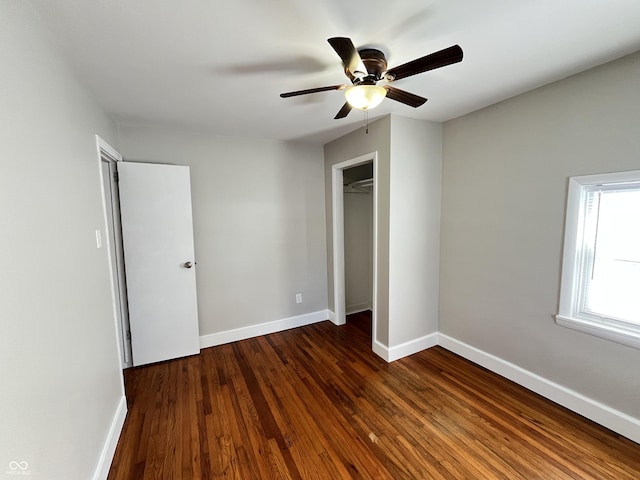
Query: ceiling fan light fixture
(368, 66)
(365, 97)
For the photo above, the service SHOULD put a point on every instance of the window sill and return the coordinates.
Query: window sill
(608, 332)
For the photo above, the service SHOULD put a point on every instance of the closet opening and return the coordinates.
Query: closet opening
(354, 242)
(358, 185)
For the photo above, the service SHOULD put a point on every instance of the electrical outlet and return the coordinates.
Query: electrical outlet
(298, 298)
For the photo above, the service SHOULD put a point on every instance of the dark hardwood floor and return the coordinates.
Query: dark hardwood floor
(316, 403)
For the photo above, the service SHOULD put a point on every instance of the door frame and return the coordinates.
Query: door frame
(337, 202)
(118, 298)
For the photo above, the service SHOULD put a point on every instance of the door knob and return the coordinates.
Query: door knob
(188, 264)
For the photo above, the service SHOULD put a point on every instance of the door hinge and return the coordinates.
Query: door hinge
(116, 177)
(128, 334)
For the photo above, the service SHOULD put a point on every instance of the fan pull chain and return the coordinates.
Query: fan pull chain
(366, 122)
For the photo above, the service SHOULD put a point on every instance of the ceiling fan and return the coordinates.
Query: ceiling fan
(368, 66)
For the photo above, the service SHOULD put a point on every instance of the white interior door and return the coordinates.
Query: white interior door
(157, 232)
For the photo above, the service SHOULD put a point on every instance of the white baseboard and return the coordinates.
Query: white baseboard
(332, 316)
(109, 448)
(357, 308)
(381, 350)
(266, 328)
(602, 414)
(397, 352)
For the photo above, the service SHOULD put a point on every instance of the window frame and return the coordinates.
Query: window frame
(569, 312)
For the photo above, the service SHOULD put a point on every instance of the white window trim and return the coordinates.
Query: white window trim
(568, 312)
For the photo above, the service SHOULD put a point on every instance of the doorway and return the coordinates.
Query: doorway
(368, 162)
(109, 158)
(149, 230)
(358, 237)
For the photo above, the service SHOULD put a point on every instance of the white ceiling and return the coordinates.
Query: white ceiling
(219, 66)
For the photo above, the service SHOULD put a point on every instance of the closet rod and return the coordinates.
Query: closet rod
(366, 182)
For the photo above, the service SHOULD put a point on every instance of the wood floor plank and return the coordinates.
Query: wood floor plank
(316, 403)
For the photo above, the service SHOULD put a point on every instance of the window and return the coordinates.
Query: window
(600, 289)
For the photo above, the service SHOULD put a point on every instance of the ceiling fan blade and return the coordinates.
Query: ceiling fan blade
(349, 54)
(344, 111)
(312, 90)
(401, 96)
(432, 61)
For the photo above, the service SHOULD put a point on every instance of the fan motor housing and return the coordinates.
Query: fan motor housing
(375, 62)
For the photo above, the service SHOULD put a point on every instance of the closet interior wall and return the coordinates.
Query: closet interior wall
(358, 238)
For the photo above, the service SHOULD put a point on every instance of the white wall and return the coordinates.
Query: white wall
(414, 228)
(408, 183)
(358, 250)
(351, 146)
(504, 193)
(259, 225)
(60, 379)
